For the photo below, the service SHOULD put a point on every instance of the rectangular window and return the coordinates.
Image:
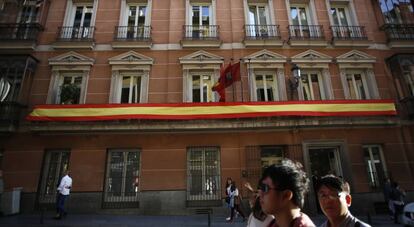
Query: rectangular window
(271, 155)
(201, 86)
(375, 165)
(339, 16)
(136, 20)
(266, 87)
(299, 16)
(408, 73)
(70, 88)
(122, 178)
(312, 86)
(131, 89)
(357, 85)
(55, 163)
(203, 173)
(397, 11)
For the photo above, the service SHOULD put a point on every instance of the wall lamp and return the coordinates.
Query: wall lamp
(294, 81)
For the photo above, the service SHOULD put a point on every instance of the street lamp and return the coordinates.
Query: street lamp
(294, 81)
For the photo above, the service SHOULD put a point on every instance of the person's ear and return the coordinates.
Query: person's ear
(287, 195)
(348, 199)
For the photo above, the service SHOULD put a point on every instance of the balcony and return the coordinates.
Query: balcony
(201, 36)
(262, 35)
(19, 36)
(307, 35)
(349, 36)
(132, 37)
(75, 38)
(399, 35)
(407, 105)
(10, 116)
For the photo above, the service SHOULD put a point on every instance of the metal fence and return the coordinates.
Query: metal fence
(122, 180)
(10, 112)
(76, 33)
(20, 32)
(306, 32)
(399, 31)
(203, 174)
(201, 32)
(349, 32)
(262, 31)
(55, 162)
(133, 33)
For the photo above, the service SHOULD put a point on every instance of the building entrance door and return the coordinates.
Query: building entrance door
(323, 161)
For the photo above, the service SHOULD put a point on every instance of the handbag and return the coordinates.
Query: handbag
(237, 200)
(228, 199)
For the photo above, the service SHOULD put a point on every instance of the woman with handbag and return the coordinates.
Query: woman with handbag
(235, 201)
(229, 182)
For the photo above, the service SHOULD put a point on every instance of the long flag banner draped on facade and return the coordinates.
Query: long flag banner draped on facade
(228, 76)
(188, 111)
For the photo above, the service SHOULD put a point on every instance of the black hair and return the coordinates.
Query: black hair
(333, 182)
(227, 182)
(289, 175)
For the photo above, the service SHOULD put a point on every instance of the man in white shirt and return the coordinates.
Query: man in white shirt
(63, 193)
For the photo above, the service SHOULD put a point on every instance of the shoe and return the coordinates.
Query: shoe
(57, 217)
(228, 219)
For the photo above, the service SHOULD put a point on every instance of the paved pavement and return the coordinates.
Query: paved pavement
(105, 220)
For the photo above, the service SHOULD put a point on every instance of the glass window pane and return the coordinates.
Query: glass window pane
(270, 87)
(334, 16)
(262, 15)
(132, 15)
(270, 156)
(208, 95)
(196, 15)
(126, 82)
(132, 173)
(115, 173)
(303, 16)
(196, 89)
(316, 88)
(206, 15)
(342, 17)
(306, 87)
(252, 15)
(78, 16)
(294, 15)
(141, 15)
(88, 17)
(136, 89)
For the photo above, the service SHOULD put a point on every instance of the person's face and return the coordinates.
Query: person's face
(333, 204)
(228, 181)
(271, 199)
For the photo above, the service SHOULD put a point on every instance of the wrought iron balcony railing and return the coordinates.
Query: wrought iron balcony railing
(349, 33)
(262, 31)
(201, 32)
(10, 113)
(76, 33)
(307, 32)
(19, 32)
(133, 33)
(408, 105)
(399, 31)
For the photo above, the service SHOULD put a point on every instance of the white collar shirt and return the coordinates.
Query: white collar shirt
(65, 185)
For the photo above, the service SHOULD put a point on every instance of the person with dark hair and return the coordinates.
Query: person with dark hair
(397, 197)
(63, 193)
(229, 182)
(282, 194)
(387, 193)
(235, 201)
(335, 199)
(257, 218)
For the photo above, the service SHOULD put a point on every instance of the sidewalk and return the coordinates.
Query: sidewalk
(104, 220)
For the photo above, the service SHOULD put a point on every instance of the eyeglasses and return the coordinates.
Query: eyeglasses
(330, 196)
(266, 188)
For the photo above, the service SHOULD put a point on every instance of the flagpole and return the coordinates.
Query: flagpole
(241, 83)
(234, 97)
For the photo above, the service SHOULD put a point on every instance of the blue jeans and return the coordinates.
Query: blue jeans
(61, 204)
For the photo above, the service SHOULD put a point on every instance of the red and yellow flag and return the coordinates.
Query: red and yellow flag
(188, 111)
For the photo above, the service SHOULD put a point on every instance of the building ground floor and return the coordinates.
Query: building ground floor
(174, 172)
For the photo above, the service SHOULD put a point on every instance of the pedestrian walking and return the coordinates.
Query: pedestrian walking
(397, 196)
(282, 194)
(235, 202)
(229, 182)
(387, 194)
(63, 193)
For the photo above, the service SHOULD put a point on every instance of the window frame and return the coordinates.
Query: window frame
(42, 196)
(122, 198)
(122, 74)
(264, 74)
(364, 84)
(202, 73)
(203, 195)
(321, 83)
(371, 158)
